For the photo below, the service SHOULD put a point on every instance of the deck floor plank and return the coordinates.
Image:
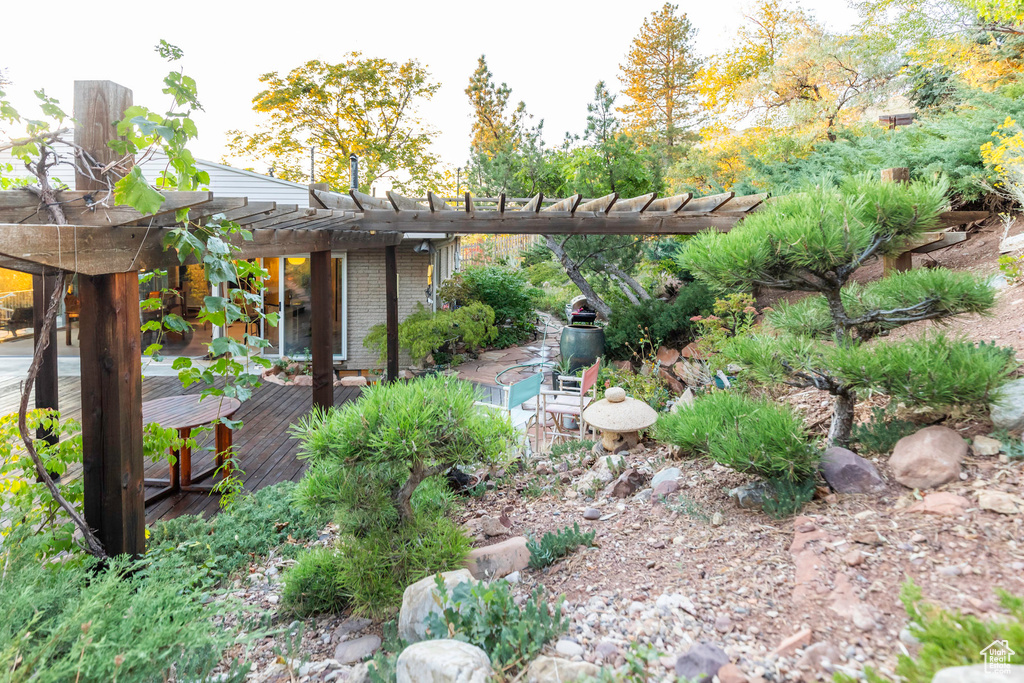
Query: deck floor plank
(266, 452)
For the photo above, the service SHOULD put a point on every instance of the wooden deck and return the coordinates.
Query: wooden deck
(266, 453)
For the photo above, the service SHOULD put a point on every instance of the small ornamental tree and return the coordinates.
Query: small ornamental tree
(378, 463)
(814, 242)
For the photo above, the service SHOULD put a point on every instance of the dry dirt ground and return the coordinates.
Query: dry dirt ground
(794, 599)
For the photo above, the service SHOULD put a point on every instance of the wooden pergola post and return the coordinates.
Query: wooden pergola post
(46, 381)
(905, 261)
(321, 300)
(110, 343)
(391, 297)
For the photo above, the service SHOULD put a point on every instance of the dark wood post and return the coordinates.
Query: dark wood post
(112, 462)
(905, 261)
(110, 343)
(321, 300)
(391, 295)
(46, 380)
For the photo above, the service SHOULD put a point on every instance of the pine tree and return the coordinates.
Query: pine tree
(814, 242)
(658, 78)
(495, 128)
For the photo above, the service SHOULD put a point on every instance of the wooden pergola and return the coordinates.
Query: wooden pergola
(107, 246)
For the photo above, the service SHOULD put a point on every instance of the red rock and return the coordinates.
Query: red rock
(353, 381)
(730, 673)
(928, 458)
(665, 488)
(941, 503)
(854, 558)
(623, 365)
(796, 641)
(690, 351)
(674, 384)
(302, 380)
(667, 356)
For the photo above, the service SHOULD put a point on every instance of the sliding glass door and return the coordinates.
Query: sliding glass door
(288, 293)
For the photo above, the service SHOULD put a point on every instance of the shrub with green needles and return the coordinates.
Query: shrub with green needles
(814, 241)
(378, 465)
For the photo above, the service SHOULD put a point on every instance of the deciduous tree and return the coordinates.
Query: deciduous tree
(363, 105)
(787, 70)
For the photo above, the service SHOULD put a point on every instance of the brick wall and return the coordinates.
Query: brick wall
(366, 302)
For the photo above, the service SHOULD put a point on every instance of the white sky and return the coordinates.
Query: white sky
(550, 52)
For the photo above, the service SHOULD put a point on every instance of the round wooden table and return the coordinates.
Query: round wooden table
(185, 413)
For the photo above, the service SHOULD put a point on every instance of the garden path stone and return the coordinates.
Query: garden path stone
(941, 503)
(591, 513)
(420, 600)
(847, 472)
(928, 458)
(1008, 408)
(986, 445)
(357, 649)
(443, 661)
(701, 662)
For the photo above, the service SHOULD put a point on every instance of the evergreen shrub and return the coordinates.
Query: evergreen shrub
(751, 435)
(814, 242)
(129, 621)
(377, 464)
(661, 322)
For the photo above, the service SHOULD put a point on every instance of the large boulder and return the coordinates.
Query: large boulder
(443, 661)
(421, 599)
(928, 458)
(1008, 407)
(979, 673)
(554, 670)
(701, 662)
(847, 472)
(498, 560)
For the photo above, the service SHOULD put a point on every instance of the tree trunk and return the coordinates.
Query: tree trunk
(626, 289)
(637, 288)
(573, 271)
(842, 419)
(403, 497)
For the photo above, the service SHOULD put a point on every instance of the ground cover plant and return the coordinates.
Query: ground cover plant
(82, 620)
(486, 615)
(554, 546)
(814, 242)
(255, 524)
(949, 638)
(378, 465)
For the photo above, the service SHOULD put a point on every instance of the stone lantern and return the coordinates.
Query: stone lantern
(620, 419)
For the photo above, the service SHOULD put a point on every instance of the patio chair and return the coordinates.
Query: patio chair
(569, 401)
(519, 393)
